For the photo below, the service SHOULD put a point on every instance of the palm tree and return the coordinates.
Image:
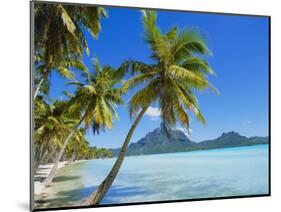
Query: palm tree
(60, 39)
(62, 66)
(51, 125)
(77, 146)
(95, 102)
(104, 153)
(170, 82)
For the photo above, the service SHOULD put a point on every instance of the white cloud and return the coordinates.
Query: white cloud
(153, 112)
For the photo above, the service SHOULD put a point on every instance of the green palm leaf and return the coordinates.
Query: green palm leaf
(180, 73)
(66, 19)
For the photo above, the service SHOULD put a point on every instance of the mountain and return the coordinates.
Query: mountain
(232, 139)
(158, 141)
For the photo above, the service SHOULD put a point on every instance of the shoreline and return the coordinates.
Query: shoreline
(195, 150)
(65, 195)
(42, 172)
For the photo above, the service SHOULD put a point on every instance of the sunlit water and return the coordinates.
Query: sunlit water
(189, 175)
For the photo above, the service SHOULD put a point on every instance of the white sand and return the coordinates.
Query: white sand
(42, 172)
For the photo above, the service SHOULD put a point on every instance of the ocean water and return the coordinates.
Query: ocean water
(174, 176)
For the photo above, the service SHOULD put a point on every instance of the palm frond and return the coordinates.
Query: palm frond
(182, 116)
(172, 33)
(65, 72)
(188, 43)
(197, 65)
(180, 73)
(144, 97)
(141, 78)
(79, 84)
(66, 19)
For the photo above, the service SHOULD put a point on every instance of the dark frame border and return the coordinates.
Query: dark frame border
(31, 102)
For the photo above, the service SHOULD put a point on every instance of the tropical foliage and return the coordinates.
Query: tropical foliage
(94, 104)
(60, 43)
(52, 124)
(60, 39)
(179, 71)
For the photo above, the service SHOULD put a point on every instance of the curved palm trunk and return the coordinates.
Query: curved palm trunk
(51, 154)
(98, 195)
(48, 180)
(71, 160)
(38, 163)
(38, 157)
(44, 152)
(38, 88)
(40, 152)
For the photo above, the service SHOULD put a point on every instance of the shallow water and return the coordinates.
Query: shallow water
(189, 175)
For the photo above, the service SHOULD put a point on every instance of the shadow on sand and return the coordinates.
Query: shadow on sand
(65, 178)
(68, 198)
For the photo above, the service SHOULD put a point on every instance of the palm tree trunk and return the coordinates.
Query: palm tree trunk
(40, 153)
(38, 88)
(38, 157)
(98, 195)
(56, 155)
(71, 160)
(48, 180)
(53, 151)
(38, 163)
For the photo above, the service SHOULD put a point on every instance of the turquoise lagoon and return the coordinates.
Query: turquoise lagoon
(224, 172)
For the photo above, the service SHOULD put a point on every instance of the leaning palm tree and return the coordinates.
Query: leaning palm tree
(62, 66)
(95, 102)
(170, 82)
(76, 145)
(59, 37)
(83, 150)
(50, 126)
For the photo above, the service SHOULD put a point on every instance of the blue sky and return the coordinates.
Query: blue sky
(240, 60)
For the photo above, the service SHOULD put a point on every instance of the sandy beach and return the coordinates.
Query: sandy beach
(42, 172)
